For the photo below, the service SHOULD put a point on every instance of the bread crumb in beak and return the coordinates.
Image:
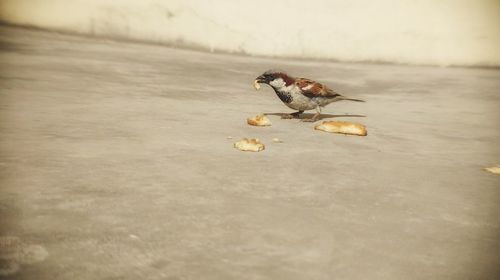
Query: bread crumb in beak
(256, 85)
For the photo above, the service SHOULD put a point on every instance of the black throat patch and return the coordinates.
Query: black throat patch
(284, 96)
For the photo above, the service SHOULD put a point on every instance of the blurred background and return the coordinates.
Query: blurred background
(445, 32)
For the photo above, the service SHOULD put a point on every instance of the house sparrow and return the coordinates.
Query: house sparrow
(299, 93)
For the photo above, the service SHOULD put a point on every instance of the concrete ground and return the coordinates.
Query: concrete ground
(116, 164)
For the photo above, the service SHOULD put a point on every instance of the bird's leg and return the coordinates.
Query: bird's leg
(292, 115)
(315, 117)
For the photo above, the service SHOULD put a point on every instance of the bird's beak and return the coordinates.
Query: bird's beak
(258, 80)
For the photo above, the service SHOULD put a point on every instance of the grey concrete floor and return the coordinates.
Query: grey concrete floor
(115, 161)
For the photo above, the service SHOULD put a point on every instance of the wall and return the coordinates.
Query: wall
(444, 32)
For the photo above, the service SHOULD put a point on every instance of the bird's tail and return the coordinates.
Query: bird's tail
(352, 99)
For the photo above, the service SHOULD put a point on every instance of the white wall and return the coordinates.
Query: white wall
(442, 32)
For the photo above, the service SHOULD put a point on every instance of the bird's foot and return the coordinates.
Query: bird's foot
(312, 119)
(295, 115)
(309, 120)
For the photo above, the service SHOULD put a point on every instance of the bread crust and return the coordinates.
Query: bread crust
(249, 145)
(342, 127)
(259, 120)
(494, 169)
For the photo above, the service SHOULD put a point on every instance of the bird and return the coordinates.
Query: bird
(300, 94)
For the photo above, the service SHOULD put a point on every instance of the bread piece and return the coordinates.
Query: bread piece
(256, 85)
(250, 145)
(494, 169)
(259, 120)
(342, 127)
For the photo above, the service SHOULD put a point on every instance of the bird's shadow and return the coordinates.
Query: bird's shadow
(321, 117)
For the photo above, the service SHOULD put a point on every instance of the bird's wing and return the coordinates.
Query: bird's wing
(314, 89)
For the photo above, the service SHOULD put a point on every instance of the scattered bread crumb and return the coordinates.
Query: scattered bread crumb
(494, 169)
(259, 120)
(229, 137)
(256, 85)
(342, 127)
(251, 145)
(276, 140)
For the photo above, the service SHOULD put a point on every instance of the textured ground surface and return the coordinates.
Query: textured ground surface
(115, 162)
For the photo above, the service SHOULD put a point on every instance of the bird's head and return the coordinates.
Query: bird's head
(275, 78)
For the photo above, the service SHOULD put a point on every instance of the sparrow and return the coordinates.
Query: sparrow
(300, 94)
